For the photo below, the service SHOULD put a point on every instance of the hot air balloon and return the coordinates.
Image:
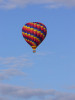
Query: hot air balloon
(34, 33)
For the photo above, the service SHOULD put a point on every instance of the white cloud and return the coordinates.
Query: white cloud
(71, 88)
(22, 92)
(19, 61)
(13, 66)
(44, 53)
(2, 98)
(9, 4)
(8, 73)
(27, 93)
(12, 72)
(62, 96)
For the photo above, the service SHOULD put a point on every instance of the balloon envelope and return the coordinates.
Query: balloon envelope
(34, 33)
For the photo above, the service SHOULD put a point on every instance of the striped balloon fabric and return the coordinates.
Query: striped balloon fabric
(34, 33)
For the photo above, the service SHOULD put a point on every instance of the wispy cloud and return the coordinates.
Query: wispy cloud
(8, 73)
(12, 66)
(10, 4)
(22, 92)
(44, 53)
(19, 61)
(28, 93)
(70, 87)
(63, 96)
(2, 98)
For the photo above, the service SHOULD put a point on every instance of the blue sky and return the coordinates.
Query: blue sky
(49, 74)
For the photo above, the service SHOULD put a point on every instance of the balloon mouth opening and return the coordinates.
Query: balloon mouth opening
(34, 49)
